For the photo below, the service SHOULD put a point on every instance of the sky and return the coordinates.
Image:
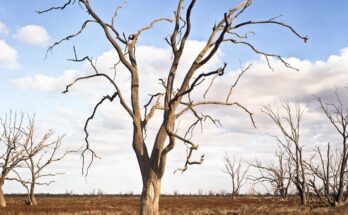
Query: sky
(32, 82)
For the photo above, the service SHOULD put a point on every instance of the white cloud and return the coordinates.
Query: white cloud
(151, 68)
(33, 35)
(8, 56)
(3, 28)
(45, 83)
(110, 131)
(259, 86)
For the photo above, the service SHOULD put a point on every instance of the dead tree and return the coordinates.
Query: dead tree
(40, 153)
(337, 114)
(13, 153)
(278, 175)
(234, 170)
(174, 100)
(326, 168)
(289, 126)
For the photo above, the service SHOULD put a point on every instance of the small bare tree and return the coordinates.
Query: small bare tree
(12, 151)
(337, 114)
(234, 170)
(175, 99)
(289, 125)
(326, 168)
(40, 153)
(278, 175)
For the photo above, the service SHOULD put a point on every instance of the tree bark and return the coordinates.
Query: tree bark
(149, 200)
(304, 183)
(302, 191)
(2, 197)
(303, 197)
(339, 196)
(32, 198)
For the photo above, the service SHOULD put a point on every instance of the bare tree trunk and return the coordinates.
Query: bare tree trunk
(303, 197)
(2, 197)
(32, 198)
(152, 170)
(304, 182)
(149, 200)
(302, 193)
(302, 189)
(339, 197)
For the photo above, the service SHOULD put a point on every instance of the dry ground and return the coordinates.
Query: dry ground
(105, 205)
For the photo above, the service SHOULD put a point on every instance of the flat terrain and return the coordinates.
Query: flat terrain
(105, 205)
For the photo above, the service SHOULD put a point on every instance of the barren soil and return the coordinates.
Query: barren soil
(105, 205)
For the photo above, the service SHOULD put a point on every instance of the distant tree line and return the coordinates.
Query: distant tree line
(322, 173)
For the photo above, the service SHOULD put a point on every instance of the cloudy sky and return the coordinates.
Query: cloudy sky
(31, 82)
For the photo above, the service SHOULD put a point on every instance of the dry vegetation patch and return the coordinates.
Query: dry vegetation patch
(110, 205)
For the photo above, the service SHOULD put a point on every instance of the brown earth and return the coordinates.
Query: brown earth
(107, 205)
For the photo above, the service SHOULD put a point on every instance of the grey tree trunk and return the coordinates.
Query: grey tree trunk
(149, 200)
(302, 189)
(303, 197)
(32, 198)
(2, 197)
(304, 182)
(339, 196)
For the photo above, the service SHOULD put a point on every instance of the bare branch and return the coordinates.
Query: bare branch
(148, 116)
(87, 148)
(118, 8)
(220, 71)
(272, 21)
(200, 119)
(217, 103)
(210, 85)
(265, 54)
(236, 82)
(70, 36)
(109, 37)
(57, 8)
(190, 148)
(98, 74)
(139, 32)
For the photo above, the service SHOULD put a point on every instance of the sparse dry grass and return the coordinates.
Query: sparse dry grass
(192, 205)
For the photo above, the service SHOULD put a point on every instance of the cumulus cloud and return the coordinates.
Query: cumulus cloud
(33, 35)
(45, 83)
(262, 86)
(3, 29)
(110, 131)
(259, 86)
(151, 66)
(8, 56)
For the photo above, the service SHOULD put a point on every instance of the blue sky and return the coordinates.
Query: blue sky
(322, 21)
(325, 22)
